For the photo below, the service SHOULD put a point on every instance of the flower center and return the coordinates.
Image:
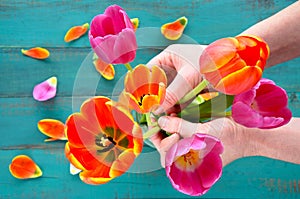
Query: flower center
(189, 161)
(141, 99)
(104, 142)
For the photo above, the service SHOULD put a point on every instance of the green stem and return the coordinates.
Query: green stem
(148, 119)
(128, 66)
(193, 93)
(151, 132)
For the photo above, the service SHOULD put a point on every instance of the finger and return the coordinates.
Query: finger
(165, 145)
(178, 125)
(156, 140)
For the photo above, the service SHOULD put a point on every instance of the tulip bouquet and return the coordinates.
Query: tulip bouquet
(105, 137)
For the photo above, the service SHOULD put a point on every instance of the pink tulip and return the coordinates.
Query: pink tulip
(194, 164)
(112, 36)
(264, 106)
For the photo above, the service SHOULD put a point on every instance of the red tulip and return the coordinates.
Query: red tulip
(234, 65)
(112, 36)
(103, 140)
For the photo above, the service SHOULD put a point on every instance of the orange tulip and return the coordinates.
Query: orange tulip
(174, 30)
(106, 70)
(103, 140)
(135, 22)
(37, 53)
(75, 32)
(144, 88)
(23, 167)
(55, 129)
(234, 65)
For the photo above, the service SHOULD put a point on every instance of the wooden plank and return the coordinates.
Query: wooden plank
(77, 75)
(72, 66)
(240, 179)
(44, 23)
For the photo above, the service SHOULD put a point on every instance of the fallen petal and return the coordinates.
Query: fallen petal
(135, 22)
(37, 53)
(174, 30)
(45, 90)
(23, 167)
(105, 69)
(75, 32)
(54, 129)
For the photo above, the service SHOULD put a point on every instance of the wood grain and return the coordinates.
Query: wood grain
(25, 24)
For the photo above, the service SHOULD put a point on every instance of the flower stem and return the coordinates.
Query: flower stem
(151, 132)
(128, 66)
(148, 119)
(193, 93)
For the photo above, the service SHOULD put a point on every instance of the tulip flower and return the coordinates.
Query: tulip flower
(45, 90)
(103, 140)
(264, 106)
(23, 167)
(144, 88)
(234, 65)
(174, 30)
(194, 164)
(36, 53)
(75, 32)
(112, 36)
(55, 129)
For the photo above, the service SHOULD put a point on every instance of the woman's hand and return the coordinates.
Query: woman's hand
(181, 64)
(231, 134)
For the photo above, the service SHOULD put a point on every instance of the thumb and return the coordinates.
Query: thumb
(177, 125)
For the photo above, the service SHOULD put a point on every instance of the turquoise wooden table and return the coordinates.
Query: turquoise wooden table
(26, 24)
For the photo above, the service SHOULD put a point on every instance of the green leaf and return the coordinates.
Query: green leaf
(216, 107)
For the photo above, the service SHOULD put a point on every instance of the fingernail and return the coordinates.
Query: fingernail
(162, 121)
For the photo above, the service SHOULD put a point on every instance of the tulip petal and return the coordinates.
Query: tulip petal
(75, 32)
(267, 93)
(23, 167)
(136, 79)
(37, 53)
(105, 69)
(210, 171)
(218, 54)
(95, 177)
(174, 30)
(135, 23)
(236, 82)
(122, 164)
(45, 90)
(119, 18)
(116, 49)
(74, 170)
(53, 129)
